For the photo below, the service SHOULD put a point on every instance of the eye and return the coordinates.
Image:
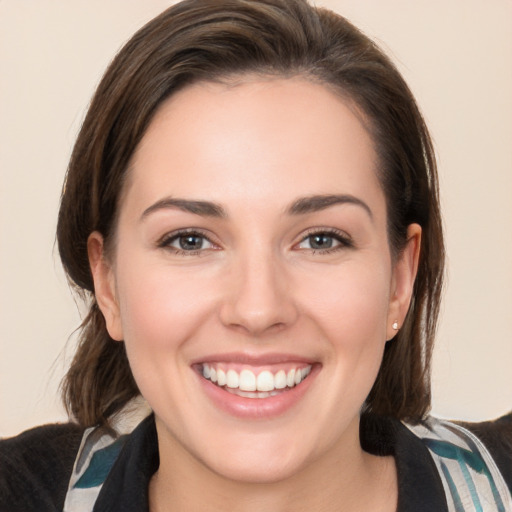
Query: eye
(325, 241)
(318, 241)
(187, 242)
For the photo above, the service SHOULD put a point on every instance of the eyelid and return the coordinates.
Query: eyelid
(164, 241)
(342, 237)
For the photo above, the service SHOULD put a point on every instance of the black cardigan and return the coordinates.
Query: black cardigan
(35, 466)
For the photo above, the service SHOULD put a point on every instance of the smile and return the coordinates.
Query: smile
(249, 384)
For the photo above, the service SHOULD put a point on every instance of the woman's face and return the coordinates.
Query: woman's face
(252, 250)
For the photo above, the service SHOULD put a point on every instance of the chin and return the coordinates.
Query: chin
(261, 457)
(257, 468)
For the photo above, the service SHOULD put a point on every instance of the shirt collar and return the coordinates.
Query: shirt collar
(419, 486)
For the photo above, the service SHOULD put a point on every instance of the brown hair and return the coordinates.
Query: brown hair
(200, 40)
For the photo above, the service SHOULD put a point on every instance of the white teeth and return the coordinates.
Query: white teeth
(290, 378)
(280, 379)
(232, 379)
(221, 377)
(248, 384)
(252, 394)
(247, 381)
(265, 381)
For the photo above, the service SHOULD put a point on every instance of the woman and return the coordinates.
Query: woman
(252, 208)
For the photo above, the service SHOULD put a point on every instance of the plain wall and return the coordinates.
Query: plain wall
(456, 56)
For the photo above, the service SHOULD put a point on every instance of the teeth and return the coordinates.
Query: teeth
(248, 384)
(290, 379)
(247, 381)
(280, 379)
(221, 377)
(232, 379)
(265, 381)
(252, 394)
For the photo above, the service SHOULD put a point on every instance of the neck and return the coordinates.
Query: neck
(345, 476)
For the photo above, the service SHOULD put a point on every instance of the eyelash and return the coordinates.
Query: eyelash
(166, 241)
(345, 242)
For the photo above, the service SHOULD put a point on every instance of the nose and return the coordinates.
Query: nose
(258, 296)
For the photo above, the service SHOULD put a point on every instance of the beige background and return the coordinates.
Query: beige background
(456, 55)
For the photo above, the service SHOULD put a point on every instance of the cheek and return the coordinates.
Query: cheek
(160, 308)
(350, 309)
(351, 303)
(161, 312)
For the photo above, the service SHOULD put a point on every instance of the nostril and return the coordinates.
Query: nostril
(257, 298)
(256, 326)
(257, 319)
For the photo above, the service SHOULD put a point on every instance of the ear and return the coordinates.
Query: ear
(104, 285)
(404, 275)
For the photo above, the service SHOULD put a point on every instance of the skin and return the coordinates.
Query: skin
(257, 286)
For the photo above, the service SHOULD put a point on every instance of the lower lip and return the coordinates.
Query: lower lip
(257, 408)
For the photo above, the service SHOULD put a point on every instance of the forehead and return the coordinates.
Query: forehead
(260, 141)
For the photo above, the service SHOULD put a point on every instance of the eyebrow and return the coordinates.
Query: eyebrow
(317, 203)
(301, 206)
(203, 208)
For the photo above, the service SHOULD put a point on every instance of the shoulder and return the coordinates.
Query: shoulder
(474, 460)
(35, 467)
(497, 437)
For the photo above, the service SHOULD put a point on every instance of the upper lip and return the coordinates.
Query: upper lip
(253, 359)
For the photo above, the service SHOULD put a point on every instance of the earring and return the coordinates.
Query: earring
(395, 326)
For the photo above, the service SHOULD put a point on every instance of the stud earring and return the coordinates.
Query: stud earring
(395, 326)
